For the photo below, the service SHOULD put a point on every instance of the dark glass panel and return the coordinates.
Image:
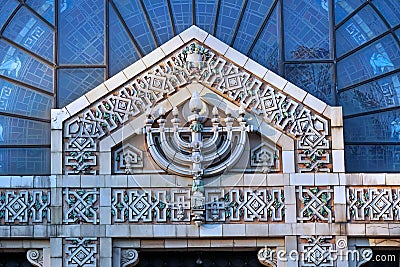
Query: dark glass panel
(362, 27)
(379, 127)
(398, 33)
(16, 131)
(81, 32)
(378, 58)
(45, 8)
(390, 9)
(372, 158)
(344, 7)
(315, 78)
(160, 19)
(135, 19)
(205, 14)
(306, 29)
(122, 53)
(23, 101)
(266, 49)
(24, 161)
(382, 93)
(6, 8)
(20, 66)
(253, 17)
(227, 19)
(182, 13)
(73, 83)
(30, 32)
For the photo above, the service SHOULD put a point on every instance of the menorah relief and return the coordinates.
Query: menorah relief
(206, 147)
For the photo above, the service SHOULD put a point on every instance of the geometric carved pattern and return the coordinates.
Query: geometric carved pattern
(83, 131)
(81, 252)
(267, 257)
(317, 251)
(80, 206)
(35, 257)
(315, 204)
(375, 204)
(265, 156)
(126, 158)
(24, 206)
(166, 205)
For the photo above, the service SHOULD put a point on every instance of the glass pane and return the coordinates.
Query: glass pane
(22, 67)
(390, 9)
(314, 78)
(227, 19)
(362, 27)
(306, 29)
(205, 14)
(30, 32)
(81, 32)
(182, 13)
(372, 158)
(253, 17)
(45, 8)
(382, 93)
(6, 8)
(266, 49)
(379, 127)
(160, 19)
(73, 83)
(378, 58)
(398, 33)
(134, 18)
(24, 161)
(16, 131)
(23, 101)
(344, 7)
(122, 53)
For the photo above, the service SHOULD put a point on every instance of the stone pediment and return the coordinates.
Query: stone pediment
(308, 131)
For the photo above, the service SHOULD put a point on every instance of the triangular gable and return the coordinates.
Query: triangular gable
(192, 57)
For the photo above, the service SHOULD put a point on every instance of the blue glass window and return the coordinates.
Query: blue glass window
(398, 33)
(160, 19)
(182, 13)
(379, 127)
(315, 78)
(252, 20)
(23, 101)
(344, 7)
(30, 32)
(205, 14)
(20, 66)
(16, 131)
(378, 58)
(24, 161)
(306, 30)
(122, 53)
(362, 27)
(382, 93)
(134, 18)
(81, 32)
(372, 158)
(45, 8)
(6, 8)
(73, 83)
(266, 49)
(390, 9)
(228, 18)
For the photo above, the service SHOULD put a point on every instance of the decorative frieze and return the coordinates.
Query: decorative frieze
(129, 257)
(267, 257)
(127, 158)
(373, 204)
(80, 206)
(265, 156)
(317, 251)
(81, 252)
(35, 257)
(315, 204)
(24, 206)
(162, 205)
(83, 131)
